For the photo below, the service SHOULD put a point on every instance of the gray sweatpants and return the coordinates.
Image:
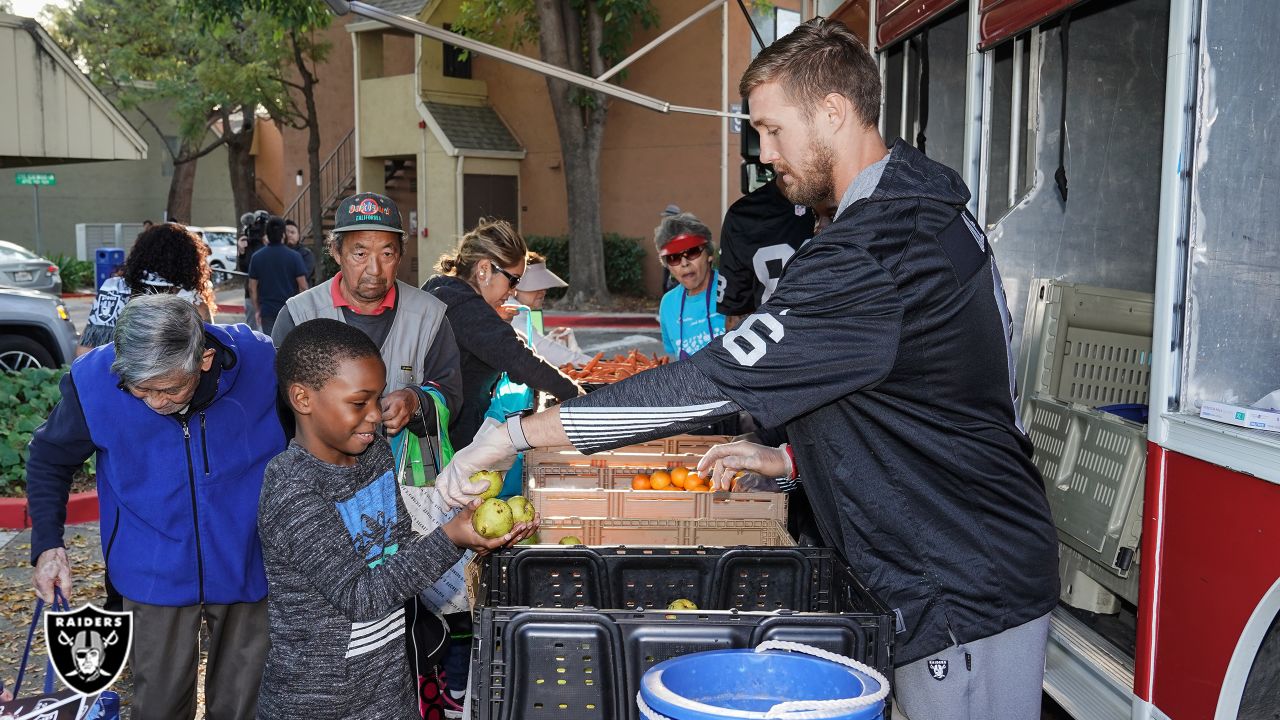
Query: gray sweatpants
(997, 677)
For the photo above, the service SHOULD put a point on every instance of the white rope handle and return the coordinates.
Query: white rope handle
(647, 712)
(807, 709)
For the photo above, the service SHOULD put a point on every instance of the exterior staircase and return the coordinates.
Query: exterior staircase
(338, 180)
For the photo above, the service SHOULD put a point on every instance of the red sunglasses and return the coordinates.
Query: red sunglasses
(675, 259)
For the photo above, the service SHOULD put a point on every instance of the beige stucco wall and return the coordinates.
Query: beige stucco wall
(388, 119)
(437, 187)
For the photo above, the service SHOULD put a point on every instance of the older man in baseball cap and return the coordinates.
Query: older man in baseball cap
(408, 324)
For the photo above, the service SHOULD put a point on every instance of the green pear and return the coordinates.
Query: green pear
(570, 540)
(493, 518)
(493, 477)
(682, 604)
(521, 508)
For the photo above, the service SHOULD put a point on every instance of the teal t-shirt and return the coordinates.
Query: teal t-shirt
(690, 322)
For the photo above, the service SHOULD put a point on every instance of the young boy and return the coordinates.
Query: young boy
(339, 549)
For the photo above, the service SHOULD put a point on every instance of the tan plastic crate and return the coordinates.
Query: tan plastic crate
(764, 533)
(674, 445)
(605, 492)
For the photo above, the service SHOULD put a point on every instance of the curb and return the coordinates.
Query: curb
(81, 508)
(604, 321)
(72, 295)
(230, 309)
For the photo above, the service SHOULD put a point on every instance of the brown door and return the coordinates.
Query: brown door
(491, 196)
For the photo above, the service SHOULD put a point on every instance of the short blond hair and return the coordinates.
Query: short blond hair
(816, 59)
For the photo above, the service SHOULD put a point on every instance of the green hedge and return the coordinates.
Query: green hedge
(76, 274)
(623, 261)
(26, 399)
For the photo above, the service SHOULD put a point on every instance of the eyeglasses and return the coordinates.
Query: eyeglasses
(675, 259)
(513, 279)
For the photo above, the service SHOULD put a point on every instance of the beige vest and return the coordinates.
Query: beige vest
(417, 320)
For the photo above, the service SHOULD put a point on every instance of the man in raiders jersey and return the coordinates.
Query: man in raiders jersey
(761, 231)
(884, 354)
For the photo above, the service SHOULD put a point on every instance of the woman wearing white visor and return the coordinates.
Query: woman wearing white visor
(557, 347)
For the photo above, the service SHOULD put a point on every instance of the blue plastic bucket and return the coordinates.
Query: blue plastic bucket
(1135, 412)
(748, 684)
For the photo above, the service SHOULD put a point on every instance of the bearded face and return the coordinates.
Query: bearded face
(792, 142)
(814, 183)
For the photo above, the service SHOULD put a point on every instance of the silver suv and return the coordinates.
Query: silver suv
(35, 330)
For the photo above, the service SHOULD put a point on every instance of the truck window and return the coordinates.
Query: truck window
(1233, 292)
(1011, 164)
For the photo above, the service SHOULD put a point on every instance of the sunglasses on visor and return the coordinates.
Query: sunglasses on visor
(676, 258)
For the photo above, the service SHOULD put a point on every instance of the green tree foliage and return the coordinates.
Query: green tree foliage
(587, 37)
(213, 77)
(295, 26)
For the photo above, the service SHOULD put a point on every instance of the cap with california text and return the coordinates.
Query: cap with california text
(367, 211)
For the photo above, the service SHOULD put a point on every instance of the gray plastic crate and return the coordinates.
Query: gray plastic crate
(1085, 347)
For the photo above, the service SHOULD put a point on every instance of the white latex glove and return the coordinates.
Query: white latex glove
(722, 461)
(491, 450)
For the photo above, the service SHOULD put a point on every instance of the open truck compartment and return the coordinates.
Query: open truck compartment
(1086, 348)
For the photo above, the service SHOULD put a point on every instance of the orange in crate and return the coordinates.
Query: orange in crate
(660, 480)
(693, 480)
(678, 475)
(640, 482)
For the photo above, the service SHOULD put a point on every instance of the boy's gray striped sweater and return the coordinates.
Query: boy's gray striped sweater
(341, 559)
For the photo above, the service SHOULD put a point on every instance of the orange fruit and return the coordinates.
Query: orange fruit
(678, 475)
(660, 480)
(700, 487)
(693, 480)
(640, 482)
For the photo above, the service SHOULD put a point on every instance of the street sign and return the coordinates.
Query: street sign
(35, 179)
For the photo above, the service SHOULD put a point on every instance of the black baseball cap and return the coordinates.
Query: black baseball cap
(368, 211)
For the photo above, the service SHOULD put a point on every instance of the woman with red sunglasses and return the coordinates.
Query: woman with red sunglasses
(688, 314)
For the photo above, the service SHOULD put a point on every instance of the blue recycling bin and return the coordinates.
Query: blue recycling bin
(105, 262)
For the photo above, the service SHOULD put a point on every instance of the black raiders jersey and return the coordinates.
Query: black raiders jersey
(761, 231)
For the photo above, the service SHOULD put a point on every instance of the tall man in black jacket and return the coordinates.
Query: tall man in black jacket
(884, 353)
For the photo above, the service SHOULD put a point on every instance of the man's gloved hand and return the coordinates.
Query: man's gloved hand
(52, 568)
(491, 450)
(723, 461)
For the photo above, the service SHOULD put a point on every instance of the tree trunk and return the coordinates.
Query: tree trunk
(580, 125)
(240, 164)
(316, 221)
(181, 189)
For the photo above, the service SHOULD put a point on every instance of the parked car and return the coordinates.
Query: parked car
(19, 267)
(35, 330)
(222, 248)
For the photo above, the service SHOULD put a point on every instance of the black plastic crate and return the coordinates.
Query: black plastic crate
(803, 579)
(530, 663)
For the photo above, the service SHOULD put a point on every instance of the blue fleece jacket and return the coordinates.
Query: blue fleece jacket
(178, 494)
